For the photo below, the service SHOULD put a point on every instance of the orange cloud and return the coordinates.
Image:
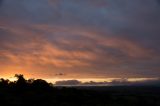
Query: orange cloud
(51, 48)
(128, 47)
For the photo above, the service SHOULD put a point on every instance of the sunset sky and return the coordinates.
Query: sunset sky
(76, 39)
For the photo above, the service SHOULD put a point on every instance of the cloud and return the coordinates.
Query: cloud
(115, 82)
(158, 1)
(1, 1)
(60, 74)
(68, 82)
(39, 46)
(90, 38)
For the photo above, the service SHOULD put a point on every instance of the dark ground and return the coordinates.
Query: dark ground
(40, 93)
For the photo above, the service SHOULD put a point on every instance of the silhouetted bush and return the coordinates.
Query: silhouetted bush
(4, 83)
(40, 84)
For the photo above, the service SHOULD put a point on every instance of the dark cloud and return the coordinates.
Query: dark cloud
(106, 38)
(68, 82)
(93, 83)
(158, 1)
(115, 82)
(1, 1)
(60, 74)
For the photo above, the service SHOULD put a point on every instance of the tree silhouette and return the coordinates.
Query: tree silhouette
(21, 83)
(3, 82)
(38, 92)
(40, 84)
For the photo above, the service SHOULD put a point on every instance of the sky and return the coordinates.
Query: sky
(74, 39)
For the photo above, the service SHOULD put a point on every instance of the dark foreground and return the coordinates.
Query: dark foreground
(40, 93)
